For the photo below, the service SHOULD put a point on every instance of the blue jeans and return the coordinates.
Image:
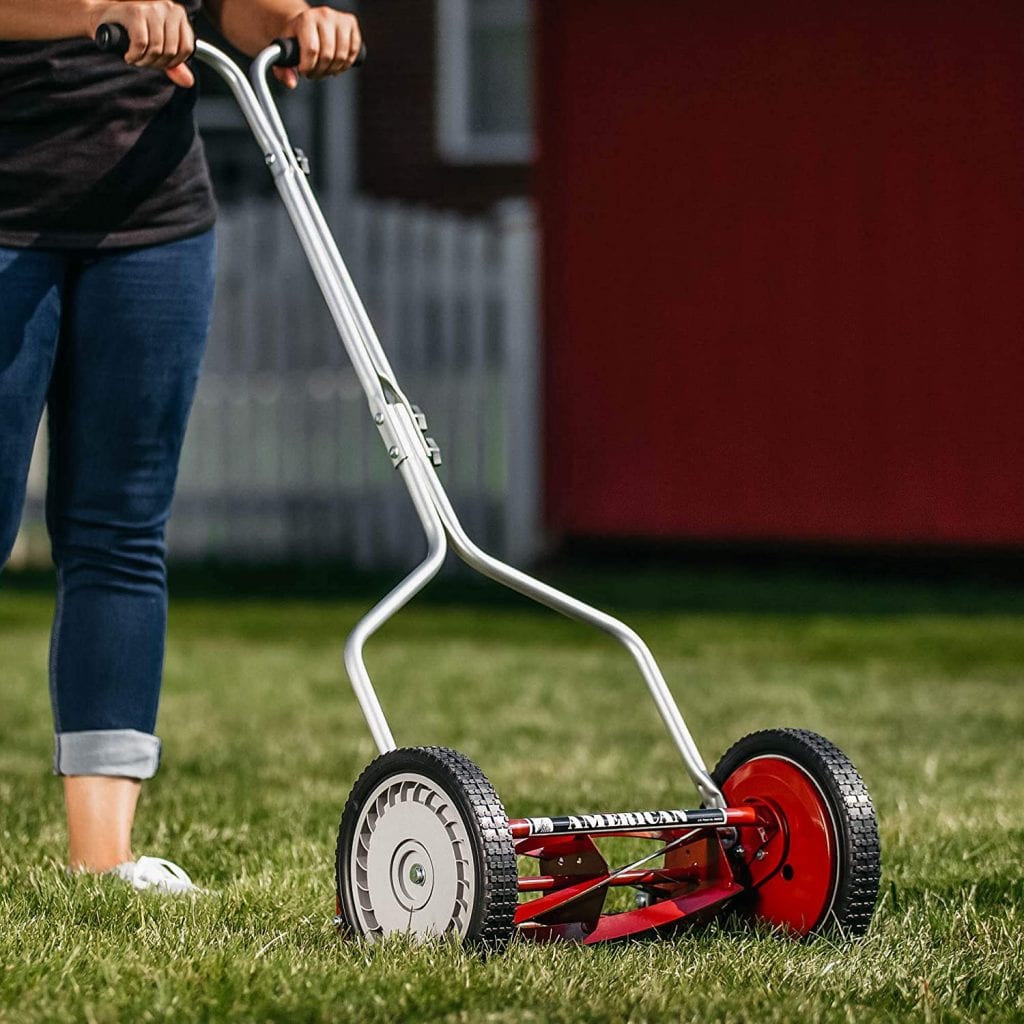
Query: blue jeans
(111, 343)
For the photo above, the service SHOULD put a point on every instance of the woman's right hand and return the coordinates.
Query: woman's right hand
(160, 33)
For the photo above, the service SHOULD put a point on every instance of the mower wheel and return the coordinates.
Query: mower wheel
(815, 868)
(425, 849)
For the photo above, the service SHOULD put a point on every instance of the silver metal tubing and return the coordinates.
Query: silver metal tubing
(281, 161)
(366, 369)
(394, 418)
(360, 327)
(259, 77)
(328, 267)
(258, 74)
(573, 608)
(389, 605)
(261, 128)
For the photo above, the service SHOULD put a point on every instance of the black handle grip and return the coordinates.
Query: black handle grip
(290, 54)
(113, 38)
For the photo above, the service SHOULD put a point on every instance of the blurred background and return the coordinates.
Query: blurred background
(737, 274)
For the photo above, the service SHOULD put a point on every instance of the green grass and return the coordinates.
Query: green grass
(923, 688)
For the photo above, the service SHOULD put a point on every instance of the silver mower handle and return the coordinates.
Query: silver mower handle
(396, 422)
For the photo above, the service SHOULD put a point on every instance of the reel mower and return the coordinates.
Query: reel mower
(785, 831)
(425, 847)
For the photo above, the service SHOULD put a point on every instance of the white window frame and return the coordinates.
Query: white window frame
(456, 142)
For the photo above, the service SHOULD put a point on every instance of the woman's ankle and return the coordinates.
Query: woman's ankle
(100, 811)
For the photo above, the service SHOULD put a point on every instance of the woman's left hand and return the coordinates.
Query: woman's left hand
(329, 42)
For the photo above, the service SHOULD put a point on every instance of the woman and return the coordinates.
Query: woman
(106, 285)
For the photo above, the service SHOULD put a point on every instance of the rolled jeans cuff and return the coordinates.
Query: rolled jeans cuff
(118, 752)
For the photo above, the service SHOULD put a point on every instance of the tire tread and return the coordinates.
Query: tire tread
(491, 926)
(858, 841)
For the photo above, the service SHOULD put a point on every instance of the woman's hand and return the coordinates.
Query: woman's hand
(160, 34)
(329, 42)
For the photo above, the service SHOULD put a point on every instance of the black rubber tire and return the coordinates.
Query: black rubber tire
(844, 790)
(491, 924)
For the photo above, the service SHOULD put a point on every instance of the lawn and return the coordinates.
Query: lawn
(922, 687)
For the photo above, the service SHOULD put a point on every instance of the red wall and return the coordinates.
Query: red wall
(784, 268)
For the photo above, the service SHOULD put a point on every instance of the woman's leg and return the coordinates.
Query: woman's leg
(132, 339)
(31, 283)
(101, 810)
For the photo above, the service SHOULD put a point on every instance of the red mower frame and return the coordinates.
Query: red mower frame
(776, 847)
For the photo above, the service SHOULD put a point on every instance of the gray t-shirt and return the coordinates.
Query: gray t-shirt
(95, 154)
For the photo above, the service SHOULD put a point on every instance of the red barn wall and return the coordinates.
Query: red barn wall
(784, 269)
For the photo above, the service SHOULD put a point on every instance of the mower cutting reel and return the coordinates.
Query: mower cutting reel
(785, 832)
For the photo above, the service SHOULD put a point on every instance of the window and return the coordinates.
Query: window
(485, 71)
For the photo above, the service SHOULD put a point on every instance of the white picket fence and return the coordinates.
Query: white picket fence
(282, 460)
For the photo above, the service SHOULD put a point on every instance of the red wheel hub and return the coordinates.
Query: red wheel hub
(793, 856)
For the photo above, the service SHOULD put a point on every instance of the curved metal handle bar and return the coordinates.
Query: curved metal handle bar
(573, 608)
(290, 182)
(390, 605)
(231, 73)
(394, 417)
(259, 71)
(368, 336)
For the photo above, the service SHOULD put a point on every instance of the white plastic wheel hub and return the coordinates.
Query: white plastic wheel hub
(412, 865)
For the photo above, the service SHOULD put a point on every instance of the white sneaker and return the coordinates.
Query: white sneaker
(157, 874)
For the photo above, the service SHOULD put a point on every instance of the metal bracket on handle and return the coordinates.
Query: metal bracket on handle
(433, 448)
(433, 451)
